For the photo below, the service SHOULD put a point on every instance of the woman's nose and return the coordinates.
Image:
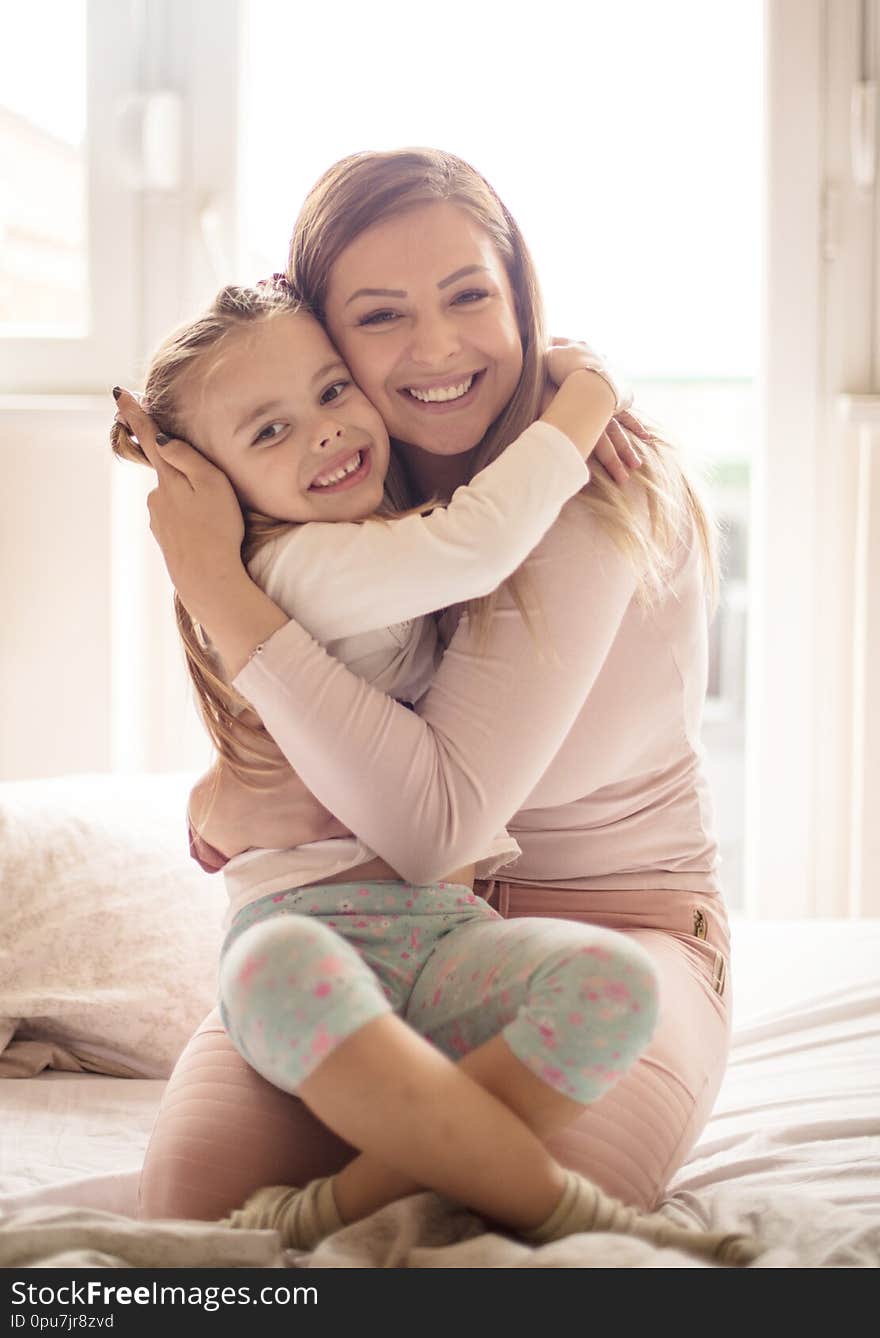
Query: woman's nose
(435, 340)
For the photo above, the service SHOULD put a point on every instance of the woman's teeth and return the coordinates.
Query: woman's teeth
(324, 480)
(446, 393)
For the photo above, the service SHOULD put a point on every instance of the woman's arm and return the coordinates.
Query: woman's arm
(427, 790)
(273, 811)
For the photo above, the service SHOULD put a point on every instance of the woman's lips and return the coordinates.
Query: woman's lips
(350, 480)
(447, 406)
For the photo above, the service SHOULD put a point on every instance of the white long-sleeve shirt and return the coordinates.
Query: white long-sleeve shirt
(364, 589)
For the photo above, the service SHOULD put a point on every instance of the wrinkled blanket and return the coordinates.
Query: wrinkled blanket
(425, 1231)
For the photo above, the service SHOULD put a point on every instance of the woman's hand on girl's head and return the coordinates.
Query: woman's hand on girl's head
(194, 512)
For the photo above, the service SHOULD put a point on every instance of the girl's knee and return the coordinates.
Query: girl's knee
(592, 1009)
(612, 967)
(279, 956)
(291, 990)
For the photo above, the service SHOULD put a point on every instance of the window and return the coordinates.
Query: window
(67, 252)
(43, 256)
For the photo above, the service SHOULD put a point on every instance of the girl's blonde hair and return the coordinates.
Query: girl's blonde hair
(220, 706)
(369, 188)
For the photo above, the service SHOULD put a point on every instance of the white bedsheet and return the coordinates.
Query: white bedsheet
(800, 1104)
(792, 1151)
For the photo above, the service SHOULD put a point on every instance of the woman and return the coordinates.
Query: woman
(571, 698)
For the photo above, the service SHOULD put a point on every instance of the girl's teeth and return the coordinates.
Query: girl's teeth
(326, 479)
(447, 393)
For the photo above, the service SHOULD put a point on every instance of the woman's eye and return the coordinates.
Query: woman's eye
(333, 392)
(269, 433)
(473, 294)
(378, 318)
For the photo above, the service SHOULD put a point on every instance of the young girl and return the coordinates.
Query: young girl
(258, 387)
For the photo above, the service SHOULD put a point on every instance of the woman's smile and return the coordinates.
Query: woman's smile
(445, 395)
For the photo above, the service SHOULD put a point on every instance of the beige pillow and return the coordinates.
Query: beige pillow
(111, 932)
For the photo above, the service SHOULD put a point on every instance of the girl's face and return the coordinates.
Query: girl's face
(274, 406)
(422, 310)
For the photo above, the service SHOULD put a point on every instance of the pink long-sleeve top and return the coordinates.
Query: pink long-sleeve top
(582, 737)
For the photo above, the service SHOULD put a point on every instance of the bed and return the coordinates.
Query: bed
(791, 1154)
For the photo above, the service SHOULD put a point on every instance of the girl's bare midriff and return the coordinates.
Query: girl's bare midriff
(377, 871)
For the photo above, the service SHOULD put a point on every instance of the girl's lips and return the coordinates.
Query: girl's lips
(447, 406)
(350, 480)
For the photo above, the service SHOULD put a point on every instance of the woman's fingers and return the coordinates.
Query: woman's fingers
(140, 425)
(162, 452)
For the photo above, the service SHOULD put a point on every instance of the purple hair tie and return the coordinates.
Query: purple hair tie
(278, 281)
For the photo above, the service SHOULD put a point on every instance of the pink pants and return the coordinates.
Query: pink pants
(222, 1131)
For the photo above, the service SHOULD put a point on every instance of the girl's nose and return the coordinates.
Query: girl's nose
(327, 436)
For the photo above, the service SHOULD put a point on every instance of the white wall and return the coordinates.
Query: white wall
(91, 673)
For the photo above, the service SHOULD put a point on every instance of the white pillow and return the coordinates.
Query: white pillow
(111, 933)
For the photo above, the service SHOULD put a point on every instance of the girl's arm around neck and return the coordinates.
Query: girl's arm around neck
(581, 408)
(345, 578)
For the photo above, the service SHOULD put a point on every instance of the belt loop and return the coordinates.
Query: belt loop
(504, 900)
(489, 892)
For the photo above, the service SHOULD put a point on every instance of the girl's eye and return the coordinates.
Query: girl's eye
(269, 433)
(475, 294)
(339, 387)
(378, 318)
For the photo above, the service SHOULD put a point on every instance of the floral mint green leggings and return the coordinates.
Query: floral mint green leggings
(302, 970)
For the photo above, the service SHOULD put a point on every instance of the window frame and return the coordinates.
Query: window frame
(40, 364)
(801, 700)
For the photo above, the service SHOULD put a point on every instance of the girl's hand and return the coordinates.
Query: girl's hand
(614, 450)
(572, 355)
(194, 514)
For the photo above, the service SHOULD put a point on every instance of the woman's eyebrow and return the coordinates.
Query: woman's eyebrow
(376, 292)
(399, 292)
(460, 273)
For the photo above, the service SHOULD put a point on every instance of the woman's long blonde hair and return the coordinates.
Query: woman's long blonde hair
(369, 188)
(221, 708)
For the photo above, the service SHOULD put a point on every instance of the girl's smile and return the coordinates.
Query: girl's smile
(346, 471)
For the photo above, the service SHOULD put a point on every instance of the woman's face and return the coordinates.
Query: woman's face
(422, 311)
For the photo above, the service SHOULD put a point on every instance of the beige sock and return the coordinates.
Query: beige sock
(583, 1207)
(302, 1217)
